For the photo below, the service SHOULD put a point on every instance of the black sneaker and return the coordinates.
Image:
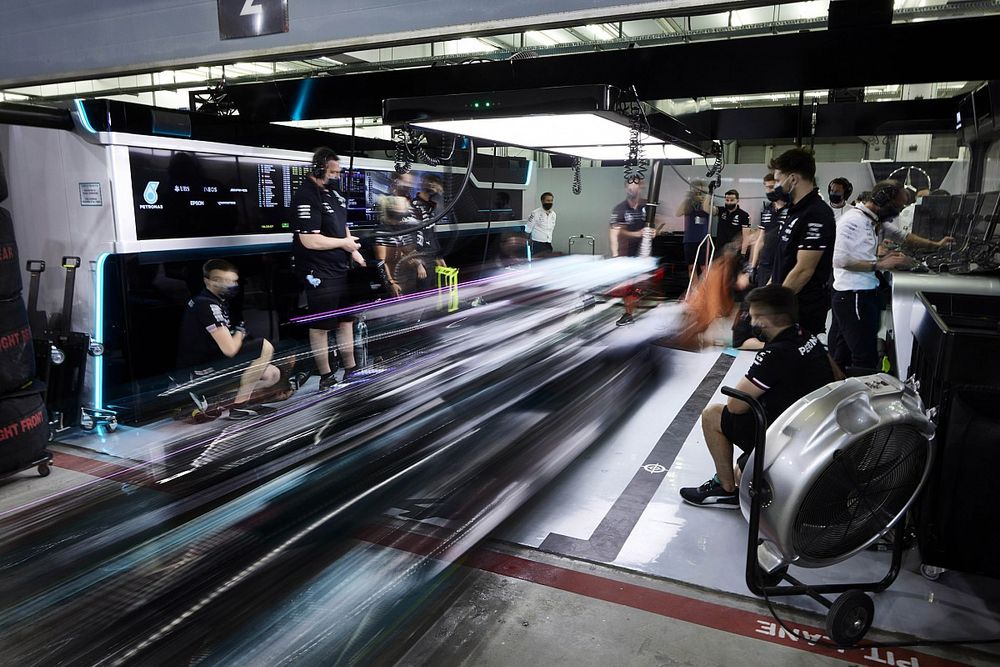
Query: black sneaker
(241, 414)
(327, 380)
(349, 373)
(298, 379)
(711, 494)
(624, 319)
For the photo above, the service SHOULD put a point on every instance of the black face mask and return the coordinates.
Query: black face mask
(230, 292)
(547, 206)
(780, 194)
(758, 333)
(332, 184)
(730, 207)
(835, 197)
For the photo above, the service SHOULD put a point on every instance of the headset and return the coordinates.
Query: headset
(843, 182)
(322, 155)
(885, 194)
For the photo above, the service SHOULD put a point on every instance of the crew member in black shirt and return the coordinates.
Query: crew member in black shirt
(772, 214)
(792, 364)
(323, 252)
(732, 222)
(628, 222)
(425, 206)
(804, 257)
(210, 343)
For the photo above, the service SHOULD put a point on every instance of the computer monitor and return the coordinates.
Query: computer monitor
(954, 214)
(964, 218)
(930, 216)
(982, 222)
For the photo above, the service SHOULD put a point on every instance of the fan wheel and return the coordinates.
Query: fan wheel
(850, 617)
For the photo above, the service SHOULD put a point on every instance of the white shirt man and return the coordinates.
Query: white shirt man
(540, 225)
(856, 243)
(855, 301)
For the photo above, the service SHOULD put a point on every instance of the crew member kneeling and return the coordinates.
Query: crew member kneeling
(792, 364)
(209, 343)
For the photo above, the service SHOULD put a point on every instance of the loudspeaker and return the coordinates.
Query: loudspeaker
(956, 516)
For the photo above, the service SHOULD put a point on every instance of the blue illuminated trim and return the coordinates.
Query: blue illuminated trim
(172, 133)
(99, 332)
(83, 116)
(303, 98)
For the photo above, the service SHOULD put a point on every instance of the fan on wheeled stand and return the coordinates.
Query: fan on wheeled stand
(833, 474)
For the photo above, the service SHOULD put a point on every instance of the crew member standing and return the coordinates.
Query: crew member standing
(804, 256)
(541, 223)
(771, 216)
(734, 223)
(323, 252)
(628, 220)
(695, 211)
(857, 307)
(839, 192)
(426, 205)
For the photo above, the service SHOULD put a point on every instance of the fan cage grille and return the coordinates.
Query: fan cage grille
(862, 490)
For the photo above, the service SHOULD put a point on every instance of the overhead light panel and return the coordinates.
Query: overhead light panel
(621, 153)
(540, 119)
(539, 130)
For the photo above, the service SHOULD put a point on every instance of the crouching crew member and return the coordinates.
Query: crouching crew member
(210, 343)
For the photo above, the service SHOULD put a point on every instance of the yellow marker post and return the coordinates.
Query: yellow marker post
(447, 278)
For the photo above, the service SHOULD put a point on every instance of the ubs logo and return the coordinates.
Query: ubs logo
(149, 194)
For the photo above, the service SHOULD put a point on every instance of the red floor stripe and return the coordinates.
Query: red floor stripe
(100, 468)
(707, 614)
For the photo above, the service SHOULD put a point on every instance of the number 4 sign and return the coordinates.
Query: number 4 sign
(251, 18)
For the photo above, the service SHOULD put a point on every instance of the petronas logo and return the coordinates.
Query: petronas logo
(150, 192)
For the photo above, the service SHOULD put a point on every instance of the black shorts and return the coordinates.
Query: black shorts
(741, 431)
(328, 296)
(228, 369)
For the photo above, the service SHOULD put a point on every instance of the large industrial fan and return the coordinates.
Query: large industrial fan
(835, 472)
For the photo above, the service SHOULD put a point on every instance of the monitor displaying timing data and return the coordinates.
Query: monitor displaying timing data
(182, 194)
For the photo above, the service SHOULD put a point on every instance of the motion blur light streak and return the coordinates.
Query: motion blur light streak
(243, 553)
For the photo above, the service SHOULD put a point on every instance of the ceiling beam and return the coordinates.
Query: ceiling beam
(774, 63)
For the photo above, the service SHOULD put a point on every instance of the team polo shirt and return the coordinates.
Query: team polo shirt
(809, 225)
(540, 225)
(857, 242)
(316, 210)
(204, 314)
(426, 238)
(631, 219)
(770, 222)
(730, 224)
(790, 366)
(695, 224)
